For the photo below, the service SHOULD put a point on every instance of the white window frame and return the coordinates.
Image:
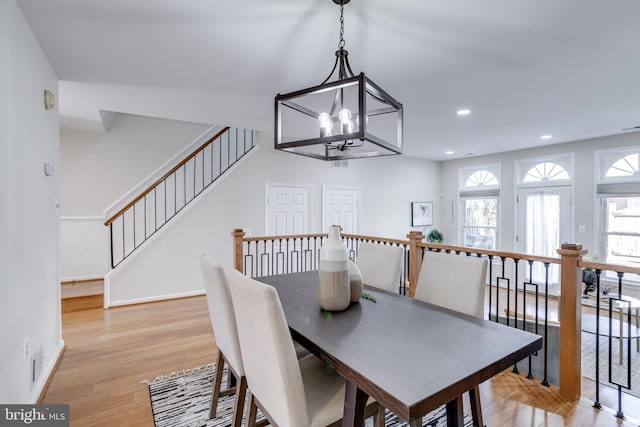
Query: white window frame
(606, 187)
(479, 192)
(522, 167)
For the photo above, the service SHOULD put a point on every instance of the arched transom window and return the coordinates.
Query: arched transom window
(546, 171)
(626, 166)
(481, 178)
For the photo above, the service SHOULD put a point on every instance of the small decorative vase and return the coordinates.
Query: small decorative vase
(355, 281)
(333, 284)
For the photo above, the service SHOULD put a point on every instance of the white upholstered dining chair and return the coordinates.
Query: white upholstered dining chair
(380, 265)
(456, 282)
(223, 321)
(288, 391)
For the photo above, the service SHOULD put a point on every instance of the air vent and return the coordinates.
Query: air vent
(631, 128)
(340, 164)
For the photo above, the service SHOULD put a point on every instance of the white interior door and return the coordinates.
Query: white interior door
(287, 210)
(544, 222)
(340, 207)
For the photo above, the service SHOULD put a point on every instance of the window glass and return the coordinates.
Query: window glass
(481, 178)
(622, 230)
(480, 222)
(626, 166)
(546, 171)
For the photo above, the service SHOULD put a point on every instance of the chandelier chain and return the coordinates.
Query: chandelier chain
(341, 42)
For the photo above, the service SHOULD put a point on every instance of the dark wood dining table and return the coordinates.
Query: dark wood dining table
(412, 357)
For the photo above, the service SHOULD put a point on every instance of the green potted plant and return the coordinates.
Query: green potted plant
(589, 276)
(434, 236)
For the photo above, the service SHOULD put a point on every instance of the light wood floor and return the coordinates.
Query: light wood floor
(110, 351)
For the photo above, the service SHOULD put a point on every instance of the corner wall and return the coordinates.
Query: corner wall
(30, 301)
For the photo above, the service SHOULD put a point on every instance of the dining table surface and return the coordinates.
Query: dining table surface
(411, 356)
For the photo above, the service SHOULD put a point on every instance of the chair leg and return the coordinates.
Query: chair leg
(217, 383)
(252, 411)
(238, 407)
(476, 407)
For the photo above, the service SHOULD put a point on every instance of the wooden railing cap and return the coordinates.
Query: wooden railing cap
(571, 246)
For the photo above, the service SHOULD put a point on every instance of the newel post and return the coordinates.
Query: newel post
(238, 235)
(570, 316)
(415, 259)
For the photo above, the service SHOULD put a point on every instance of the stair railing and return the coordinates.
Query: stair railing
(152, 209)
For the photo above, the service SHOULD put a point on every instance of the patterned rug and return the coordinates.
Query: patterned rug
(183, 399)
(619, 372)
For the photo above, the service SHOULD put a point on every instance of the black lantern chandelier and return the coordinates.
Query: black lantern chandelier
(347, 118)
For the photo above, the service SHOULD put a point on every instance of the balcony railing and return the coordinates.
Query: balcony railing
(516, 296)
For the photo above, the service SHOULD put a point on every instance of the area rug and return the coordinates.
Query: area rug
(619, 372)
(183, 398)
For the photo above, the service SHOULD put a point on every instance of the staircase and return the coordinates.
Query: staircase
(142, 217)
(82, 295)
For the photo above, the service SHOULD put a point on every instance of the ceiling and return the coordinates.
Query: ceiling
(524, 68)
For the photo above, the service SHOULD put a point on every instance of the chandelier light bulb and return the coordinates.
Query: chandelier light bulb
(344, 115)
(325, 124)
(324, 119)
(346, 124)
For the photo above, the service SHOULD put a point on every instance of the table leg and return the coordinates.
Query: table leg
(355, 401)
(476, 407)
(455, 418)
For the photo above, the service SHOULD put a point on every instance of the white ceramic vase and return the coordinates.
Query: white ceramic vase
(334, 292)
(355, 281)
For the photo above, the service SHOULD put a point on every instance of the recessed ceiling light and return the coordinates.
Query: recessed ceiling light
(546, 136)
(463, 112)
(448, 153)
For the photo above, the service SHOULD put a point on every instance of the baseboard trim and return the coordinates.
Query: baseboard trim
(52, 372)
(80, 279)
(155, 298)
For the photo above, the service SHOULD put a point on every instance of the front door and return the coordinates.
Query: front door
(544, 222)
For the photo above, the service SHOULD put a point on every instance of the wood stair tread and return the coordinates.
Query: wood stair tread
(80, 296)
(81, 289)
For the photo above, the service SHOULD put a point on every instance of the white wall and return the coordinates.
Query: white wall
(97, 169)
(30, 303)
(169, 265)
(388, 186)
(584, 185)
(84, 248)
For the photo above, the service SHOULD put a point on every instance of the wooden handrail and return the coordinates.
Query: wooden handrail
(166, 175)
(604, 266)
(500, 254)
(284, 237)
(376, 239)
(514, 255)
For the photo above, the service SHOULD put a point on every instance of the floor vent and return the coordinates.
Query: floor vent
(36, 366)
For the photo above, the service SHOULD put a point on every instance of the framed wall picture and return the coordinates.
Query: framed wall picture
(421, 213)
